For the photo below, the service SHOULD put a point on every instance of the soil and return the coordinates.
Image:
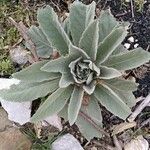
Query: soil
(139, 30)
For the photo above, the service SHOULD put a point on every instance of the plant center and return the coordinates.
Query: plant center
(84, 71)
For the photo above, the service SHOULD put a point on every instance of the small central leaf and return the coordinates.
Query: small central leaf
(84, 71)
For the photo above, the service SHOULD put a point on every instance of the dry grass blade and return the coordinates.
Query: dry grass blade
(138, 110)
(123, 126)
(23, 31)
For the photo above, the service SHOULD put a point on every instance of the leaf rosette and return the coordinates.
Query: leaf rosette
(90, 66)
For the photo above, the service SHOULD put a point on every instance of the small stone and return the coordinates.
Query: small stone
(128, 1)
(138, 144)
(66, 142)
(131, 39)
(136, 45)
(127, 45)
(53, 120)
(19, 55)
(93, 148)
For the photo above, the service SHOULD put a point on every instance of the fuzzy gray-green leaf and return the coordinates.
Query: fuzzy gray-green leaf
(108, 73)
(34, 74)
(57, 65)
(43, 46)
(123, 88)
(53, 104)
(111, 42)
(107, 22)
(93, 111)
(29, 92)
(111, 101)
(66, 80)
(73, 50)
(75, 104)
(89, 40)
(80, 17)
(122, 84)
(128, 60)
(120, 49)
(51, 27)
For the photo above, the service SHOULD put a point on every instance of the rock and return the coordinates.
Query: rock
(131, 39)
(13, 139)
(66, 142)
(127, 45)
(17, 112)
(138, 144)
(4, 122)
(6, 83)
(19, 55)
(54, 121)
(10, 137)
(136, 45)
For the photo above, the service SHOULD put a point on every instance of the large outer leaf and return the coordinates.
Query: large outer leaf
(111, 101)
(106, 24)
(93, 111)
(29, 92)
(75, 104)
(122, 84)
(108, 73)
(53, 104)
(128, 60)
(60, 64)
(119, 49)
(51, 27)
(89, 40)
(43, 46)
(80, 17)
(34, 74)
(123, 88)
(111, 42)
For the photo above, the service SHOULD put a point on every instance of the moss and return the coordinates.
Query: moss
(6, 66)
(9, 35)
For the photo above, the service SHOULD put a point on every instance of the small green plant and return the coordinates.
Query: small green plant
(139, 4)
(6, 66)
(87, 72)
(43, 143)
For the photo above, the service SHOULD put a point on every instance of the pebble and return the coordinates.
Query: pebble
(19, 55)
(66, 142)
(127, 45)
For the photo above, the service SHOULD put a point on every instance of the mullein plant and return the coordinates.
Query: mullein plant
(88, 71)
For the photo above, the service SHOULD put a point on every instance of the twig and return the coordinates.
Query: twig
(117, 143)
(145, 122)
(148, 47)
(138, 110)
(86, 117)
(23, 31)
(132, 8)
(106, 146)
